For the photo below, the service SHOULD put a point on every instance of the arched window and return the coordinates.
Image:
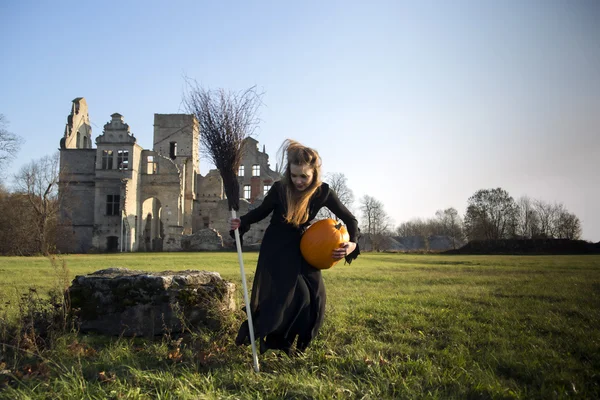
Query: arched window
(78, 143)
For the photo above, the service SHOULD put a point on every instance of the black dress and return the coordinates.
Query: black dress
(288, 295)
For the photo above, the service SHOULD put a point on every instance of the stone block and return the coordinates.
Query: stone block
(206, 239)
(119, 301)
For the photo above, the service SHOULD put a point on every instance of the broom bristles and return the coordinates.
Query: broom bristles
(225, 119)
(227, 156)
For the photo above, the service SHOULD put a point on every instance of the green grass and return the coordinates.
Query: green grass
(397, 326)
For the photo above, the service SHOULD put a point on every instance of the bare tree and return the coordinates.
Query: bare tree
(9, 143)
(451, 225)
(491, 214)
(568, 226)
(410, 228)
(339, 184)
(446, 223)
(556, 212)
(527, 220)
(561, 223)
(376, 222)
(375, 219)
(544, 212)
(38, 182)
(420, 228)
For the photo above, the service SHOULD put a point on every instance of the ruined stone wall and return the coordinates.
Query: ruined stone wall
(131, 199)
(78, 204)
(177, 136)
(111, 183)
(78, 131)
(76, 185)
(105, 225)
(165, 186)
(210, 193)
(181, 129)
(78, 164)
(253, 156)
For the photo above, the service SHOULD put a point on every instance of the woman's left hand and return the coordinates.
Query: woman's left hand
(342, 251)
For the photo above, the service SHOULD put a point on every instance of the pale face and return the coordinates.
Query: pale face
(302, 176)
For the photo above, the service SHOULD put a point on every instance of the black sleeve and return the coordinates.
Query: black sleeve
(333, 203)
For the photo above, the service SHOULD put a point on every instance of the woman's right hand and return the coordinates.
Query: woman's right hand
(234, 223)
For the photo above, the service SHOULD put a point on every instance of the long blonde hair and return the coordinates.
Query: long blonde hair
(293, 152)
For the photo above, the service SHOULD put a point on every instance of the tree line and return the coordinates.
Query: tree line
(491, 214)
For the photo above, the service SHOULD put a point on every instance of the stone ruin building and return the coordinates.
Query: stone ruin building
(122, 197)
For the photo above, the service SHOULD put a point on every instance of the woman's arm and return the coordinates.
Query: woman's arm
(258, 214)
(348, 250)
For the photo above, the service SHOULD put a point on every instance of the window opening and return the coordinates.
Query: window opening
(107, 159)
(173, 150)
(123, 159)
(113, 204)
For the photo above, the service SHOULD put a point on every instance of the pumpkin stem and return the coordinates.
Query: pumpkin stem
(338, 225)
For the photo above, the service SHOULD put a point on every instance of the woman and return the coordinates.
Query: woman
(288, 295)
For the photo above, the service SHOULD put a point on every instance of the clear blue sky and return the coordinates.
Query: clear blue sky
(419, 104)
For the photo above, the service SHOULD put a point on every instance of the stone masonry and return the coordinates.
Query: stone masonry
(119, 301)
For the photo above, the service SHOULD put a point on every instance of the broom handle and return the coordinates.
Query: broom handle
(246, 300)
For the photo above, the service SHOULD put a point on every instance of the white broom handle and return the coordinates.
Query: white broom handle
(246, 300)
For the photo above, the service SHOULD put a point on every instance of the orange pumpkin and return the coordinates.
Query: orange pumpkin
(319, 241)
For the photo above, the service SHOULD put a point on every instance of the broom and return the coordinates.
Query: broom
(225, 120)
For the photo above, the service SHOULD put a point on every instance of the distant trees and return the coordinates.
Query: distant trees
(15, 216)
(451, 225)
(554, 221)
(491, 214)
(527, 219)
(446, 223)
(494, 214)
(414, 227)
(568, 226)
(37, 186)
(16, 225)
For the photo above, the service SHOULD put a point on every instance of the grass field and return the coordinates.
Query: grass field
(397, 326)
